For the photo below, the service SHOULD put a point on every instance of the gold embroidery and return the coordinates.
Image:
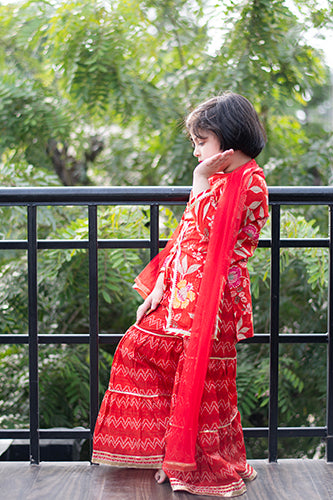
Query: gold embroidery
(140, 395)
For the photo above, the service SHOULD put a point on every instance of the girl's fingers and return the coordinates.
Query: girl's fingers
(141, 311)
(221, 158)
(147, 307)
(220, 161)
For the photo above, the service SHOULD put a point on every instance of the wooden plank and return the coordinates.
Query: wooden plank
(322, 477)
(291, 480)
(131, 484)
(62, 481)
(286, 480)
(16, 479)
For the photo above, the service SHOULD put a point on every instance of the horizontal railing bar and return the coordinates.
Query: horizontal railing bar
(302, 431)
(286, 431)
(106, 338)
(85, 195)
(296, 243)
(14, 434)
(300, 195)
(145, 243)
(120, 195)
(60, 339)
(64, 434)
(304, 243)
(72, 244)
(46, 433)
(289, 338)
(14, 245)
(86, 434)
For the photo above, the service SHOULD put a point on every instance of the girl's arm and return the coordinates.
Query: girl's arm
(153, 299)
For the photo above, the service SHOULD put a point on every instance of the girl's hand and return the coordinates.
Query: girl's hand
(152, 301)
(209, 167)
(216, 163)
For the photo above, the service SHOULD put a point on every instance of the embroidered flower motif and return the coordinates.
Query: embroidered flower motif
(243, 297)
(251, 231)
(247, 309)
(184, 294)
(234, 276)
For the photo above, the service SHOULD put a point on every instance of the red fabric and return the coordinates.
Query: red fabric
(145, 281)
(180, 449)
(135, 414)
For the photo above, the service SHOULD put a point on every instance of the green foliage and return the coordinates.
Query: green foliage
(29, 115)
(13, 219)
(64, 385)
(303, 275)
(14, 399)
(21, 174)
(302, 395)
(253, 388)
(124, 75)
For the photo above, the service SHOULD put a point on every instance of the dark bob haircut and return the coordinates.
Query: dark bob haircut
(233, 120)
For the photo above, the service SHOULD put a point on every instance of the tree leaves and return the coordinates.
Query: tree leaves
(126, 74)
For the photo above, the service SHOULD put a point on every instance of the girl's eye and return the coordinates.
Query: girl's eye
(196, 142)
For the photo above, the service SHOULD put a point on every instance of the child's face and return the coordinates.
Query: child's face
(207, 146)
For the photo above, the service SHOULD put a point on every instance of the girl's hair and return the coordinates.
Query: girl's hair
(234, 121)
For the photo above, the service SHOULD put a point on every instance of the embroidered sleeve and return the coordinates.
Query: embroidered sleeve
(203, 208)
(257, 201)
(254, 217)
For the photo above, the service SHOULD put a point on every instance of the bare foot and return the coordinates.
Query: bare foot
(160, 476)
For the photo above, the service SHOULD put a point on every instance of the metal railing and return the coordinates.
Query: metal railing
(92, 197)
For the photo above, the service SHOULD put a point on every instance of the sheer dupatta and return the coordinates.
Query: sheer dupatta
(182, 434)
(145, 281)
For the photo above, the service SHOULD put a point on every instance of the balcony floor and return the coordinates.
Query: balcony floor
(288, 479)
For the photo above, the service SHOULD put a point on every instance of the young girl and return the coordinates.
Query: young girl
(172, 400)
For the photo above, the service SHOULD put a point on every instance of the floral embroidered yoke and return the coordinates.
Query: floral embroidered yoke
(137, 412)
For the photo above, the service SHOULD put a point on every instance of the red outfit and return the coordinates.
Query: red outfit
(138, 416)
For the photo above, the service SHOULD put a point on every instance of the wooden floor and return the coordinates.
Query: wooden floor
(286, 480)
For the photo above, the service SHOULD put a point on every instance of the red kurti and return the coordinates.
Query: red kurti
(136, 412)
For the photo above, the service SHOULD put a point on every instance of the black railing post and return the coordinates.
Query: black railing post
(154, 230)
(329, 410)
(33, 335)
(274, 336)
(93, 316)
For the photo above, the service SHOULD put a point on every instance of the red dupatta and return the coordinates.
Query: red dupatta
(182, 434)
(145, 281)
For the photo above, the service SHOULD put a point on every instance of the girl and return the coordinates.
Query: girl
(172, 401)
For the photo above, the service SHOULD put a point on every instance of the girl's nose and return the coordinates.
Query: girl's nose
(195, 152)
